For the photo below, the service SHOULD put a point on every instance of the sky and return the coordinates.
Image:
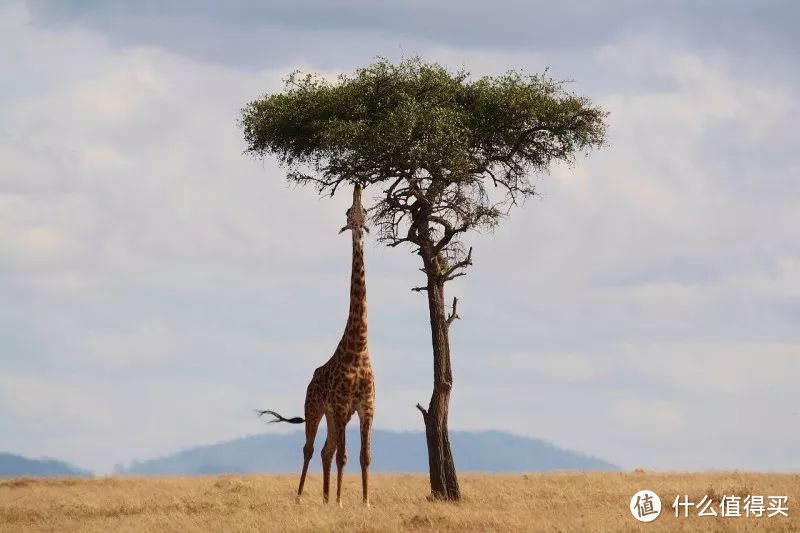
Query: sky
(157, 284)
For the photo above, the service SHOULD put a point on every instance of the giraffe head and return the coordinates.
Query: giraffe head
(356, 215)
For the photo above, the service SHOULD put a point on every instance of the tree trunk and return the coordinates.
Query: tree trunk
(444, 482)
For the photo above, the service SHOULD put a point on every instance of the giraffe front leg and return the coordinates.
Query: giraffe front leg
(327, 458)
(341, 460)
(365, 420)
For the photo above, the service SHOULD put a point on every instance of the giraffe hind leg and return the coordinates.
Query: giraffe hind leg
(313, 417)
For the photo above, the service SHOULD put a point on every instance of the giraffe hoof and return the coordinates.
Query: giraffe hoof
(298, 499)
(339, 503)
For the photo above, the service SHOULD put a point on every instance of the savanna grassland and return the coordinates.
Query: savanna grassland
(521, 502)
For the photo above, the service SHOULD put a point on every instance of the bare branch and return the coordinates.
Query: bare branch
(419, 289)
(467, 261)
(454, 313)
(454, 276)
(398, 242)
(423, 411)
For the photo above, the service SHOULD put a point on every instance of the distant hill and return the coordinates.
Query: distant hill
(12, 465)
(476, 451)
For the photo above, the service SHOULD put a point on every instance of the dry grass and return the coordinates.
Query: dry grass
(529, 502)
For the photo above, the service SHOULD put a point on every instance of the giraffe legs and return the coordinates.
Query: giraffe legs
(341, 459)
(327, 457)
(365, 421)
(312, 424)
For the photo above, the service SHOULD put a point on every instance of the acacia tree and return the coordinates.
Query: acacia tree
(449, 154)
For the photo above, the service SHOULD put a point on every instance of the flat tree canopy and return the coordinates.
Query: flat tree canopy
(417, 123)
(447, 153)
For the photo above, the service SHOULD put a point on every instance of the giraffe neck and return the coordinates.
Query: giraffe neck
(357, 319)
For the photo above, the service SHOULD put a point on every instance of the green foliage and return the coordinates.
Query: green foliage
(432, 139)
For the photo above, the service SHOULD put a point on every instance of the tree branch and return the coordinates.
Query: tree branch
(453, 276)
(454, 313)
(467, 261)
(398, 242)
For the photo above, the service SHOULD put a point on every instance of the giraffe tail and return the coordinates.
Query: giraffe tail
(279, 418)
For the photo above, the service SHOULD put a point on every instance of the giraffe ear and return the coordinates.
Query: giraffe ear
(342, 230)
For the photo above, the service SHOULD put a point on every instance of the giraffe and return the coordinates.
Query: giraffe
(345, 383)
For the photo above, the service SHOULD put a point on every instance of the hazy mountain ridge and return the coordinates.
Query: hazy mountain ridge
(13, 465)
(476, 451)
